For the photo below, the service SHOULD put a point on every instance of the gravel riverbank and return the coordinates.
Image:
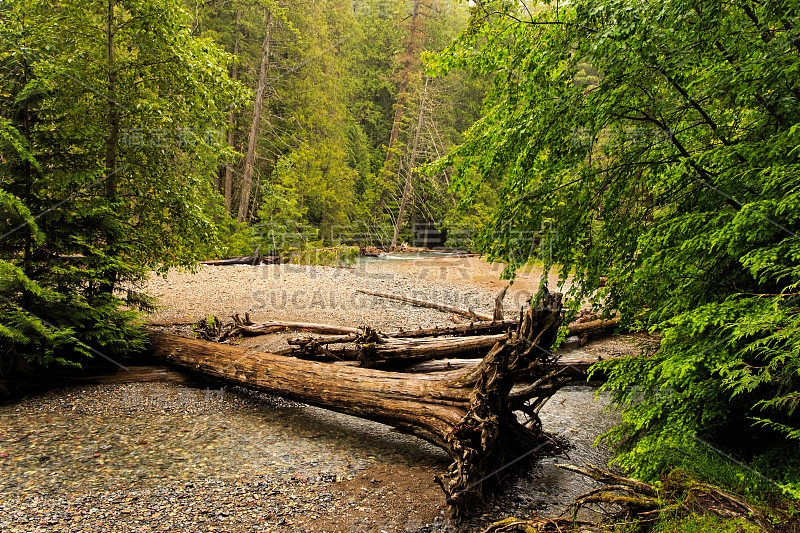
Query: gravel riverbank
(155, 457)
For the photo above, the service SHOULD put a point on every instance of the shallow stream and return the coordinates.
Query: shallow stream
(245, 461)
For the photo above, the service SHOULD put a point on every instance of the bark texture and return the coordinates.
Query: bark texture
(258, 102)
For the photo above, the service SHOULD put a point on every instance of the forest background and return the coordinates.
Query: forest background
(652, 147)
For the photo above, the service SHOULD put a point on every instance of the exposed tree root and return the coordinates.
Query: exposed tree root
(540, 524)
(623, 499)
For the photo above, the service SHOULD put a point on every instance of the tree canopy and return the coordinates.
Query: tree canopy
(140, 135)
(653, 150)
(108, 117)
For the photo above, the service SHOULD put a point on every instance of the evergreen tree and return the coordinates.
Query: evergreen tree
(110, 114)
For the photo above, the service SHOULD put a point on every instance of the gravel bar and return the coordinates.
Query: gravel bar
(158, 457)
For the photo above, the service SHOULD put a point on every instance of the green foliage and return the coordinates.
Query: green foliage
(706, 523)
(339, 256)
(674, 174)
(104, 168)
(334, 76)
(314, 182)
(707, 466)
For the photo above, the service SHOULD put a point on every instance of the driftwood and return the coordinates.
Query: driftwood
(469, 313)
(252, 259)
(594, 327)
(393, 349)
(214, 329)
(246, 326)
(579, 366)
(474, 328)
(378, 351)
(369, 251)
(467, 413)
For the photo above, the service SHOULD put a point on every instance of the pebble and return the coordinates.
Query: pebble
(162, 457)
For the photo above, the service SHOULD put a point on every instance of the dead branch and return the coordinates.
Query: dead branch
(432, 305)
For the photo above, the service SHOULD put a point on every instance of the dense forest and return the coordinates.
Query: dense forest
(148, 135)
(647, 151)
(653, 146)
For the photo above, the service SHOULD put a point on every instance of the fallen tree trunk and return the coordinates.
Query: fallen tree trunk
(246, 326)
(594, 327)
(345, 335)
(383, 350)
(252, 259)
(467, 414)
(393, 352)
(469, 313)
(579, 366)
(474, 328)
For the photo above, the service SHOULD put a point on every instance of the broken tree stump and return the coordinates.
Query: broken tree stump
(467, 413)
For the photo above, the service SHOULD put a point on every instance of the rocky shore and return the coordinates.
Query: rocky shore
(153, 457)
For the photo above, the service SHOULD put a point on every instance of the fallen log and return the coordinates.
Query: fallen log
(441, 365)
(579, 366)
(264, 328)
(469, 313)
(344, 334)
(394, 352)
(473, 328)
(594, 327)
(252, 259)
(467, 414)
(246, 326)
(387, 352)
(384, 350)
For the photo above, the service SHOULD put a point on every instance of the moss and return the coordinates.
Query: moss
(708, 524)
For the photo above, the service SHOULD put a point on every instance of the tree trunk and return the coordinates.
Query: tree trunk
(409, 60)
(248, 327)
(475, 328)
(593, 327)
(252, 259)
(410, 170)
(112, 134)
(394, 352)
(258, 101)
(228, 185)
(112, 141)
(467, 414)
